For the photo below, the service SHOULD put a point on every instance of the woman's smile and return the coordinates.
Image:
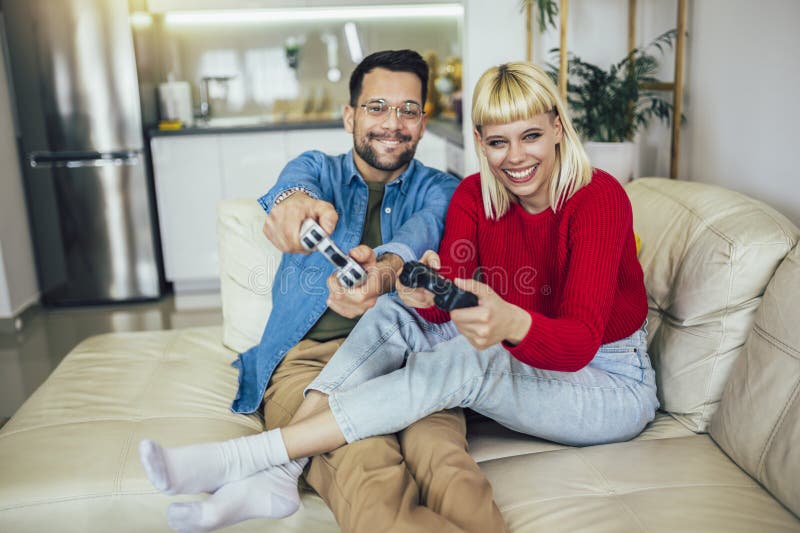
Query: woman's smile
(521, 175)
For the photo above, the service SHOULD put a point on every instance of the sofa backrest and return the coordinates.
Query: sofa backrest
(248, 262)
(707, 255)
(758, 421)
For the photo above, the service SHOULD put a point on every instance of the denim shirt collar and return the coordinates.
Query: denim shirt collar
(401, 181)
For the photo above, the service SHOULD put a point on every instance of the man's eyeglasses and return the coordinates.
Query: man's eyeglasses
(407, 112)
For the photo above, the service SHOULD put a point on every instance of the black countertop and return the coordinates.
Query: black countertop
(449, 130)
(247, 128)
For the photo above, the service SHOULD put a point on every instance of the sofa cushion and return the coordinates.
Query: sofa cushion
(69, 455)
(661, 485)
(707, 255)
(248, 262)
(758, 422)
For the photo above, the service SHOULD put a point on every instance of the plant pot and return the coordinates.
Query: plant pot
(618, 159)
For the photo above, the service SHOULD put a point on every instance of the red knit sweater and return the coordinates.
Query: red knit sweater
(574, 271)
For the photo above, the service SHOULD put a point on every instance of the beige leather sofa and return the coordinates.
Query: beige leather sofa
(723, 278)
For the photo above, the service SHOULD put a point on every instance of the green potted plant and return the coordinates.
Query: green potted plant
(609, 107)
(547, 11)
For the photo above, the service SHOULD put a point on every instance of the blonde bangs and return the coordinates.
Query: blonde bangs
(507, 97)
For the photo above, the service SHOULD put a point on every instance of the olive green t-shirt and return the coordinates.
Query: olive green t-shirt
(332, 325)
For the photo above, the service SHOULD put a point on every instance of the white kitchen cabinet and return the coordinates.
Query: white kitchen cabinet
(330, 141)
(188, 188)
(251, 162)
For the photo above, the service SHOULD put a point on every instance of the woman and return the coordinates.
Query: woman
(555, 348)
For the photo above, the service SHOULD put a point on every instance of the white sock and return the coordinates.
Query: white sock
(206, 467)
(271, 493)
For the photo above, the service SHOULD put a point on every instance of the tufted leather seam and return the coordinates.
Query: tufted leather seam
(633, 491)
(124, 419)
(610, 488)
(123, 455)
(777, 343)
(64, 499)
(144, 393)
(791, 400)
(704, 416)
(778, 424)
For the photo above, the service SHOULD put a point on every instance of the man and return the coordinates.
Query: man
(386, 208)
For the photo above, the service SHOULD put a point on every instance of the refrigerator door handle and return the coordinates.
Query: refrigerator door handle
(82, 160)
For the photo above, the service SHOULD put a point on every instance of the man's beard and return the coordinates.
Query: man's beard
(365, 151)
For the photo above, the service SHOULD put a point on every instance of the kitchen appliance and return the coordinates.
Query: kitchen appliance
(80, 132)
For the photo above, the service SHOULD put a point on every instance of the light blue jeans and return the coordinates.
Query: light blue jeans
(396, 368)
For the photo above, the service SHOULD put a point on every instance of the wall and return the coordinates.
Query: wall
(743, 112)
(494, 33)
(18, 287)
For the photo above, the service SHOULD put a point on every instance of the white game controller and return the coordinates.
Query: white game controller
(348, 271)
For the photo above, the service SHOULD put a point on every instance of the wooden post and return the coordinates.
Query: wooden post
(677, 100)
(631, 25)
(529, 31)
(562, 67)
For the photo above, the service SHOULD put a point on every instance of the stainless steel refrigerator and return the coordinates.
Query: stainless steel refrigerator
(80, 132)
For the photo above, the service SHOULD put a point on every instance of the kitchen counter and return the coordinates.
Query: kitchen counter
(249, 124)
(446, 129)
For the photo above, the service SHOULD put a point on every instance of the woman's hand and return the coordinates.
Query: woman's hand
(493, 320)
(419, 298)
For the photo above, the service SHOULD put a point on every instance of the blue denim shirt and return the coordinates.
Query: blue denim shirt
(412, 220)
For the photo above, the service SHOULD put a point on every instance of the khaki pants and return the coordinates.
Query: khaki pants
(421, 479)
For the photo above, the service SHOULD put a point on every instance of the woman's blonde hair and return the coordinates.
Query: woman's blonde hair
(519, 91)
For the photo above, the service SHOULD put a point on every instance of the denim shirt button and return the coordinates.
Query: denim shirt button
(387, 210)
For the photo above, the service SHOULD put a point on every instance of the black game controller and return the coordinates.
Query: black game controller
(446, 295)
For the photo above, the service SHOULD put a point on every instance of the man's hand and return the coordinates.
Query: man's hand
(282, 226)
(381, 275)
(493, 320)
(420, 298)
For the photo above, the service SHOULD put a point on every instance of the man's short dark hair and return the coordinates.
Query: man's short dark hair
(394, 60)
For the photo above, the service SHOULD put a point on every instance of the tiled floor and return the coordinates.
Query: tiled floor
(30, 355)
